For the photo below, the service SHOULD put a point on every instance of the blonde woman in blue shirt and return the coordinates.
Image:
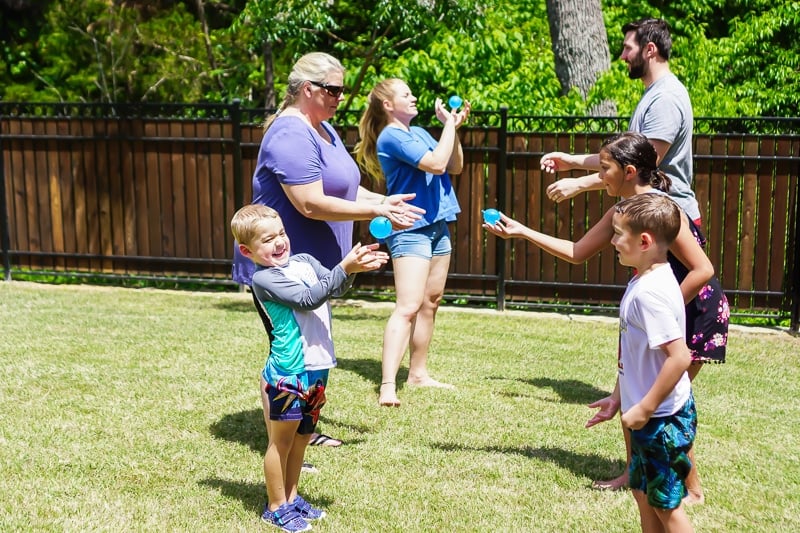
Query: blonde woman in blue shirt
(412, 161)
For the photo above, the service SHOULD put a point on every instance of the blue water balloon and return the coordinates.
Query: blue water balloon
(380, 227)
(491, 216)
(455, 102)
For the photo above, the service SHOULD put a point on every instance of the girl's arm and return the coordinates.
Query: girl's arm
(597, 238)
(688, 252)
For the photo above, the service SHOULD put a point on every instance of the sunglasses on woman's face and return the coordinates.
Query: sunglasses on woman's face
(333, 90)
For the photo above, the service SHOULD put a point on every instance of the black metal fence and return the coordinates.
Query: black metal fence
(145, 192)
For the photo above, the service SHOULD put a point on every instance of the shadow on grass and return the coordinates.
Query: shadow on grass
(247, 428)
(243, 306)
(252, 495)
(569, 390)
(591, 466)
(370, 369)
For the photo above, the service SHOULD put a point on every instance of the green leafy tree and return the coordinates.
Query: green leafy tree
(267, 27)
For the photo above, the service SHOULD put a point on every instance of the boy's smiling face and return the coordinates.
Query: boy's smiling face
(271, 246)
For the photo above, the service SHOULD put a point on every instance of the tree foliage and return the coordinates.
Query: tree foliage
(737, 57)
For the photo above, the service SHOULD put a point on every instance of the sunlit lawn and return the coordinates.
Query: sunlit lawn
(137, 410)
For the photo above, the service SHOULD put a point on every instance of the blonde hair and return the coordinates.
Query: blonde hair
(372, 122)
(246, 222)
(314, 66)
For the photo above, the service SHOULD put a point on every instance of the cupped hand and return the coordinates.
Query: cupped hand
(363, 258)
(563, 189)
(400, 213)
(462, 115)
(442, 113)
(556, 162)
(505, 228)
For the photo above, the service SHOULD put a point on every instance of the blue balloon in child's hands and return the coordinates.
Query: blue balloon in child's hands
(455, 102)
(380, 227)
(491, 216)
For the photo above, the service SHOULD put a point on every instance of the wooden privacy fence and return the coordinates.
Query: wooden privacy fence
(147, 192)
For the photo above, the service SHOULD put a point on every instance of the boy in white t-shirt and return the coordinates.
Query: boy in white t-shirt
(653, 389)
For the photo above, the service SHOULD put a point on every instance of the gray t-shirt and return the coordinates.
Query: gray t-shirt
(665, 113)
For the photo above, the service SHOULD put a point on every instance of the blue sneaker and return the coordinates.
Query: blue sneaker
(306, 510)
(285, 517)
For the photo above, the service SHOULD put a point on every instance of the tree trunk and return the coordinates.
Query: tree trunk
(580, 46)
(269, 75)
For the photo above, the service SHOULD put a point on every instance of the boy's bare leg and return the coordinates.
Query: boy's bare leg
(294, 465)
(647, 515)
(281, 441)
(674, 520)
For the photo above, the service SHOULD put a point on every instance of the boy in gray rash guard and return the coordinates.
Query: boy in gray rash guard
(291, 294)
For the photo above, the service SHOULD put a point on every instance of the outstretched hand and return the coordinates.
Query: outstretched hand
(401, 214)
(608, 409)
(505, 228)
(364, 258)
(556, 162)
(563, 189)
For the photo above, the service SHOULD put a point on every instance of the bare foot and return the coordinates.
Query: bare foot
(388, 396)
(429, 382)
(694, 498)
(618, 483)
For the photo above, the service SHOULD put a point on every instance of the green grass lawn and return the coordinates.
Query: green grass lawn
(138, 410)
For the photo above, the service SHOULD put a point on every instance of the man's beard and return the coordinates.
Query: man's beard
(636, 68)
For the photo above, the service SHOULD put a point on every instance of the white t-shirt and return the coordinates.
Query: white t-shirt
(651, 314)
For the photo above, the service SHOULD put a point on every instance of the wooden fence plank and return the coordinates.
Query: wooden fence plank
(107, 187)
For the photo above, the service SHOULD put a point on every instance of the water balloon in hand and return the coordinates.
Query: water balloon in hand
(380, 227)
(491, 216)
(455, 101)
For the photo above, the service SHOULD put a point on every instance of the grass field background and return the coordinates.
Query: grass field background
(138, 410)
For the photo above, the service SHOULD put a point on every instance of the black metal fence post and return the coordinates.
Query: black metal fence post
(6, 235)
(794, 268)
(236, 123)
(502, 165)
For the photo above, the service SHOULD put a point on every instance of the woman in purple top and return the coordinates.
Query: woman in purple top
(307, 175)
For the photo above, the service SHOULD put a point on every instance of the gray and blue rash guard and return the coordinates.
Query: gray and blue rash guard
(293, 304)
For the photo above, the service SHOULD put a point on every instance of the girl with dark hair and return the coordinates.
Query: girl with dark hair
(628, 167)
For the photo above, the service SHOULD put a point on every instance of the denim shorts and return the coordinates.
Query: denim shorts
(424, 242)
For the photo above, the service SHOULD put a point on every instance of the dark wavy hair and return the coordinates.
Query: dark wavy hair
(632, 148)
(654, 31)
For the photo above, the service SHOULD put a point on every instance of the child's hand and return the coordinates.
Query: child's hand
(635, 417)
(563, 189)
(556, 162)
(506, 227)
(608, 409)
(364, 258)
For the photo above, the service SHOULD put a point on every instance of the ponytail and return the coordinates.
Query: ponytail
(659, 180)
(372, 123)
